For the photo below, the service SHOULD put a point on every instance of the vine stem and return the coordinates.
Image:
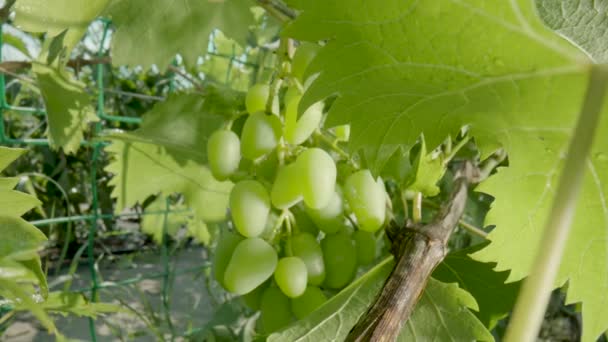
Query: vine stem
(332, 144)
(454, 150)
(534, 296)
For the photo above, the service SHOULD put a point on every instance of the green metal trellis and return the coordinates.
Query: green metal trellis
(94, 214)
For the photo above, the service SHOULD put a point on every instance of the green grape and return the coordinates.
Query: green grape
(306, 247)
(329, 219)
(252, 263)
(253, 299)
(318, 177)
(275, 310)
(367, 199)
(291, 276)
(303, 222)
(340, 258)
(249, 206)
(223, 153)
(342, 132)
(311, 300)
(223, 252)
(298, 130)
(261, 134)
(366, 247)
(256, 98)
(302, 58)
(286, 190)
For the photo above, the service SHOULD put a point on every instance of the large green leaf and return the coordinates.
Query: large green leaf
(142, 169)
(183, 123)
(55, 16)
(68, 107)
(154, 31)
(170, 150)
(159, 214)
(440, 302)
(495, 298)
(582, 22)
(402, 68)
(20, 240)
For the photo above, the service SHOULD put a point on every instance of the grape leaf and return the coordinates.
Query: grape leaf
(183, 122)
(155, 219)
(20, 240)
(199, 231)
(153, 32)
(440, 302)
(170, 149)
(54, 16)
(400, 69)
(9, 155)
(68, 107)
(581, 22)
(442, 314)
(142, 169)
(495, 298)
(427, 171)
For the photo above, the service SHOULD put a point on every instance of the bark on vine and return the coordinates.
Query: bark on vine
(418, 249)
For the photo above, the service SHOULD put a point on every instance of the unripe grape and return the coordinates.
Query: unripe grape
(304, 223)
(223, 252)
(256, 98)
(367, 199)
(249, 206)
(340, 258)
(302, 58)
(318, 173)
(223, 153)
(311, 300)
(286, 190)
(298, 130)
(330, 218)
(291, 276)
(275, 310)
(365, 242)
(261, 134)
(253, 299)
(306, 247)
(252, 263)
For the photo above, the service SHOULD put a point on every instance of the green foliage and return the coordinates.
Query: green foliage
(169, 149)
(153, 32)
(55, 16)
(68, 107)
(161, 213)
(23, 283)
(20, 240)
(75, 304)
(494, 297)
(142, 170)
(515, 84)
(581, 22)
(440, 302)
(394, 73)
(427, 171)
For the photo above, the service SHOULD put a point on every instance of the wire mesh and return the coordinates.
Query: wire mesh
(96, 145)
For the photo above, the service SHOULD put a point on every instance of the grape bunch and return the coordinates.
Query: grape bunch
(305, 217)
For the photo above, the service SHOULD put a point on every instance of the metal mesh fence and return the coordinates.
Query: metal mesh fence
(95, 146)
